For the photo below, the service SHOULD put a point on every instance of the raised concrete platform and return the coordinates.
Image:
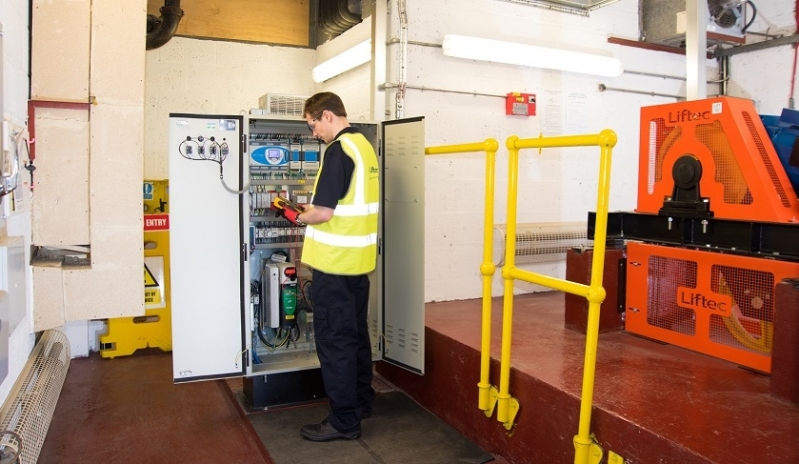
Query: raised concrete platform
(653, 403)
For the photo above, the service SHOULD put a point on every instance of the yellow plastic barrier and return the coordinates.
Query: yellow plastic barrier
(154, 329)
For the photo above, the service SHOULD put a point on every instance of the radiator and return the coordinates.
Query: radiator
(26, 414)
(541, 242)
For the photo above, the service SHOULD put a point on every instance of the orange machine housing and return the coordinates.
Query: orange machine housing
(741, 172)
(718, 304)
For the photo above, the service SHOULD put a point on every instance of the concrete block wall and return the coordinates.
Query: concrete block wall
(213, 77)
(557, 185)
(353, 86)
(90, 157)
(61, 204)
(60, 40)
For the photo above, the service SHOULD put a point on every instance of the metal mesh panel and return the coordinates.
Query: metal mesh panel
(27, 412)
(752, 293)
(761, 149)
(665, 276)
(728, 172)
(663, 138)
(543, 242)
(651, 153)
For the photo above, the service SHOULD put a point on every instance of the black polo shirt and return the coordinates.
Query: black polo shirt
(336, 173)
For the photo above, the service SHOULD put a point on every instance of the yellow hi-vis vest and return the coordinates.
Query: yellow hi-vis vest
(347, 243)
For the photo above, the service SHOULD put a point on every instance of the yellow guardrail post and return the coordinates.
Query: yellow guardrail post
(587, 451)
(507, 407)
(487, 268)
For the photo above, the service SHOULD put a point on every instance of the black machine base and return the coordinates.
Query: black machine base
(758, 239)
(284, 389)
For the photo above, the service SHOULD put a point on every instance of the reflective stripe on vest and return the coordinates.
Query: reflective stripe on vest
(347, 243)
(357, 210)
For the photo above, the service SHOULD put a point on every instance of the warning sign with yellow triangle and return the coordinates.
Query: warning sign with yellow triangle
(149, 279)
(154, 282)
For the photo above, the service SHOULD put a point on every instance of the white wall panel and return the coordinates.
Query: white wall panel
(60, 36)
(557, 185)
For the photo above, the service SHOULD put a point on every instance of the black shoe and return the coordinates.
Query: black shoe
(323, 431)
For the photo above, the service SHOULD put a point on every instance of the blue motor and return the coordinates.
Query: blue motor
(784, 132)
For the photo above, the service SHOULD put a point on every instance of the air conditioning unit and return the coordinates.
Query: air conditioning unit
(665, 21)
(277, 104)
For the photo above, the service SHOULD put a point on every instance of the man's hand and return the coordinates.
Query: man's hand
(288, 210)
(292, 216)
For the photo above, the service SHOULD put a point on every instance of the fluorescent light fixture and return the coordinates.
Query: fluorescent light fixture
(497, 51)
(344, 61)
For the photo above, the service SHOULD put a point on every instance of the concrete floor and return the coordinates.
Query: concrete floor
(653, 403)
(127, 410)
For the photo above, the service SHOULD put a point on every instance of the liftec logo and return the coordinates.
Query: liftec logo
(704, 300)
(688, 115)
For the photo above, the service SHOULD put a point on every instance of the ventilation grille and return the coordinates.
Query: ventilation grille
(713, 303)
(541, 242)
(761, 150)
(728, 171)
(752, 296)
(282, 105)
(673, 285)
(666, 276)
(26, 414)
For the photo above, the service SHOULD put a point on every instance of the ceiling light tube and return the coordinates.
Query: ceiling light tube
(344, 61)
(497, 51)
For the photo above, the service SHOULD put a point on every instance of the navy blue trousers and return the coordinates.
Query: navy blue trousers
(340, 309)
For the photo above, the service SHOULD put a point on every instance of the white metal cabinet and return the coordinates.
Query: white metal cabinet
(214, 258)
(205, 241)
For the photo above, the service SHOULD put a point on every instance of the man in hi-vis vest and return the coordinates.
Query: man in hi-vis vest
(341, 249)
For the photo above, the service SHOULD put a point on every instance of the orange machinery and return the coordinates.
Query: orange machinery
(715, 229)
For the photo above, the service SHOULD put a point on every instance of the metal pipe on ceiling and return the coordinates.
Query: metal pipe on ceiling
(162, 28)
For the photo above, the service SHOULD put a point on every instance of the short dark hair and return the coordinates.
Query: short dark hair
(318, 103)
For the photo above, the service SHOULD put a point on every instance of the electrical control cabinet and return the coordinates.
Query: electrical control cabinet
(240, 296)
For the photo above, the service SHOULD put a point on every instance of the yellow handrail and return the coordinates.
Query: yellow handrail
(584, 446)
(487, 268)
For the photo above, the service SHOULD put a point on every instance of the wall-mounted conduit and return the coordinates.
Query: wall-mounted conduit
(28, 411)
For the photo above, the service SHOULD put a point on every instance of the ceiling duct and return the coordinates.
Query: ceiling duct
(337, 16)
(664, 21)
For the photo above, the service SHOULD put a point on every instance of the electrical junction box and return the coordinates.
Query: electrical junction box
(520, 104)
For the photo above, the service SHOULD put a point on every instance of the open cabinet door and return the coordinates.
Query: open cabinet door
(206, 247)
(403, 243)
